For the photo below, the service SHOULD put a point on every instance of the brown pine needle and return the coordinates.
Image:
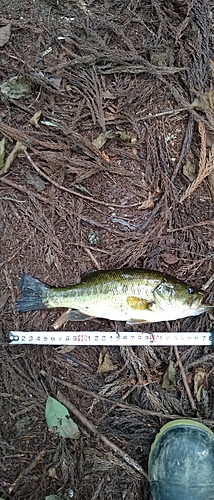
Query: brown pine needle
(206, 165)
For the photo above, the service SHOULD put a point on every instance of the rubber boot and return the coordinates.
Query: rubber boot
(181, 462)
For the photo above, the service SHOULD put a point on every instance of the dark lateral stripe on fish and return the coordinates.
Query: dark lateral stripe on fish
(32, 294)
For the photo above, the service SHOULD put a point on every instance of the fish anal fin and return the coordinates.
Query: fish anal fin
(138, 304)
(136, 321)
(75, 315)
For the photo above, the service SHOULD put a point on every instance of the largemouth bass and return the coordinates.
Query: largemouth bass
(131, 295)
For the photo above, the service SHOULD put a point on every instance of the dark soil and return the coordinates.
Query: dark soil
(134, 68)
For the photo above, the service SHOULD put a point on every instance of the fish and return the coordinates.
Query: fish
(132, 295)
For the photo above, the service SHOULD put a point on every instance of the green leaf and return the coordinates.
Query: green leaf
(169, 377)
(59, 421)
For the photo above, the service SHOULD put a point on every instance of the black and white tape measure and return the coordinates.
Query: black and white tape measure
(111, 338)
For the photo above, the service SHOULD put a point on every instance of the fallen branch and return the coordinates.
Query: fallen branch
(202, 223)
(102, 437)
(27, 470)
(71, 191)
(94, 260)
(185, 382)
(24, 190)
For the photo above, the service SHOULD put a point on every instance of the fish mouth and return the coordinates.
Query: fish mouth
(197, 302)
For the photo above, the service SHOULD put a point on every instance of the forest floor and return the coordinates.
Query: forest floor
(114, 110)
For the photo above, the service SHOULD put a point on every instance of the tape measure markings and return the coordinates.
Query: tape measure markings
(110, 338)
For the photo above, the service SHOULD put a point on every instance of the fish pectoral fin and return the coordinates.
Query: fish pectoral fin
(136, 321)
(138, 304)
(76, 315)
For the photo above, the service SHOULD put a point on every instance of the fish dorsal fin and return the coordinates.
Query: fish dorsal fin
(88, 274)
(137, 303)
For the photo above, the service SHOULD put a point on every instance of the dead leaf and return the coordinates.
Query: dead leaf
(169, 377)
(99, 142)
(2, 152)
(35, 119)
(18, 148)
(169, 258)
(105, 363)
(149, 203)
(16, 88)
(106, 157)
(52, 473)
(134, 151)
(109, 117)
(121, 133)
(189, 170)
(56, 80)
(108, 95)
(204, 101)
(36, 181)
(65, 349)
(83, 189)
(49, 257)
(200, 382)
(212, 67)
(4, 35)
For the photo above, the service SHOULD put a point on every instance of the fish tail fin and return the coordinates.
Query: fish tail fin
(33, 293)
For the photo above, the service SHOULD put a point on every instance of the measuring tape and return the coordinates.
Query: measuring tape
(111, 338)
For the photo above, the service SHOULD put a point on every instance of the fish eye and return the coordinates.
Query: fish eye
(190, 289)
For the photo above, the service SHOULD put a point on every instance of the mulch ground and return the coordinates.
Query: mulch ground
(140, 74)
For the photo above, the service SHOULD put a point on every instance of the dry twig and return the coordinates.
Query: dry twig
(185, 382)
(71, 191)
(27, 470)
(191, 226)
(94, 260)
(208, 283)
(102, 437)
